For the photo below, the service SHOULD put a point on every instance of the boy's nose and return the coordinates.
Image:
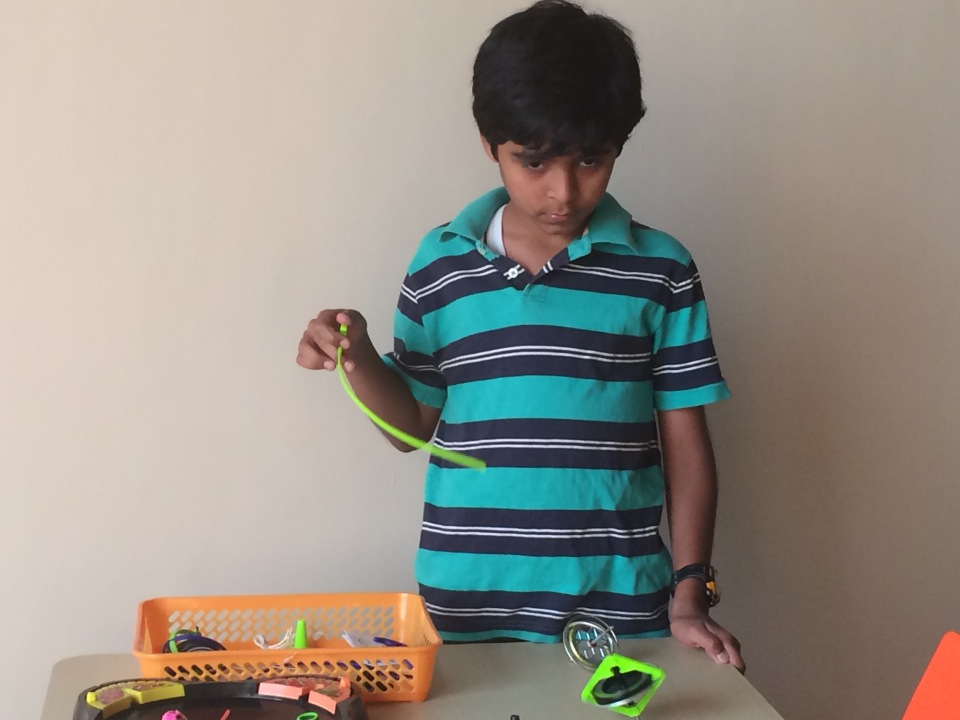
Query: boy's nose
(563, 184)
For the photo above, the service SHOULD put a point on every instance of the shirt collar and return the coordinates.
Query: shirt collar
(473, 220)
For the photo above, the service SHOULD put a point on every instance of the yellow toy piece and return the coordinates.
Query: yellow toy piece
(144, 692)
(109, 700)
(120, 696)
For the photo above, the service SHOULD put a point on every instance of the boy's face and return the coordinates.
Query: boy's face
(552, 197)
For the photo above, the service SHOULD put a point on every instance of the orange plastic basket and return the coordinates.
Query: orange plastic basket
(382, 673)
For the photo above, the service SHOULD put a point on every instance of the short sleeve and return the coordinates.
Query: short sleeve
(414, 349)
(686, 371)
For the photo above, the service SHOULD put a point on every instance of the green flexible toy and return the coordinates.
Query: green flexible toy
(448, 455)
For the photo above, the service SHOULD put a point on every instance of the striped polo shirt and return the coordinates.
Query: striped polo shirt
(553, 380)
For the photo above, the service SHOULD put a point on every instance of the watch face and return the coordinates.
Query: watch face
(588, 641)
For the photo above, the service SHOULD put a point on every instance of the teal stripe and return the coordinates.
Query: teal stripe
(544, 488)
(682, 327)
(696, 397)
(522, 573)
(542, 305)
(413, 333)
(550, 396)
(431, 249)
(656, 243)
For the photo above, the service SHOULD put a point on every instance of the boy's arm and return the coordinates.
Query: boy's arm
(691, 509)
(377, 386)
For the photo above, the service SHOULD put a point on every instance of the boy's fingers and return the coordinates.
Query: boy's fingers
(699, 636)
(731, 655)
(322, 339)
(349, 318)
(309, 355)
(315, 350)
(732, 651)
(723, 647)
(713, 646)
(715, 643)
(325, 335)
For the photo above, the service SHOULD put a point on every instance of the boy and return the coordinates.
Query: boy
(547, 333)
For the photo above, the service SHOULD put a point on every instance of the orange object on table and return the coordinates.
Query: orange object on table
(382, 673)
(937, 696)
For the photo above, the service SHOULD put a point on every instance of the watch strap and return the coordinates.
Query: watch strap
(706, 574)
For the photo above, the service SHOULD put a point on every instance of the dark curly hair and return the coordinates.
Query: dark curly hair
(556, 78)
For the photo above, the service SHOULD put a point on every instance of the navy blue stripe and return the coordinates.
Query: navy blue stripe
(409, 308)
(563, 606)
(687, 379)
(584, 459)
(515, 532)
(412, 363)
(636, 457)
(564, 275)
(548, 428)
(532, 350)
(572, 277)
(425, 277)
(687, 298)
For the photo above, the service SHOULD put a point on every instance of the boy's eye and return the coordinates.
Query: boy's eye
(590, 162)
(533, 164)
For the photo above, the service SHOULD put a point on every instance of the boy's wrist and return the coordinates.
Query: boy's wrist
(689, 598)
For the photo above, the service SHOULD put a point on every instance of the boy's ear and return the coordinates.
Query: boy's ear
(488, 149)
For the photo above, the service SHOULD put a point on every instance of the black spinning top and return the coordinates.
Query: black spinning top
(621, 688)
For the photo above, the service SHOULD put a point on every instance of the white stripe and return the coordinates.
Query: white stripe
(453, 277)
(561, 444)
(685, 367)
(542, 351)
(497, 612)
(675, 287)
(625, 614)
(565, 348)
(422, 368)
(544, 612)
(538, 533)
(569, 531)
(408, 293)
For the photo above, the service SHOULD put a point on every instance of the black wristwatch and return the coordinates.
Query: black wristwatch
(705, 574)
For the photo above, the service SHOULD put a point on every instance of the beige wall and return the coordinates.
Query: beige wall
(183, 183)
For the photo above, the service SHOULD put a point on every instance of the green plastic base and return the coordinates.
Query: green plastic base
(608, 669)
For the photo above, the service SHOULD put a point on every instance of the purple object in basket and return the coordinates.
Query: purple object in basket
(388, 642)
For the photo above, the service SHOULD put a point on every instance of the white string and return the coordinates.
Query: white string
(284, 642)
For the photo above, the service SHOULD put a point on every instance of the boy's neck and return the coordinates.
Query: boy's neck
(531, 245)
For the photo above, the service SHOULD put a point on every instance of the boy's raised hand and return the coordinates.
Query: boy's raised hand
(318, 346)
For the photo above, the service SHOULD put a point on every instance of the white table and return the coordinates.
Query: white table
(495, 681)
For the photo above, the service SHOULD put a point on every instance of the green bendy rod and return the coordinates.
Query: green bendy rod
(414, 442)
